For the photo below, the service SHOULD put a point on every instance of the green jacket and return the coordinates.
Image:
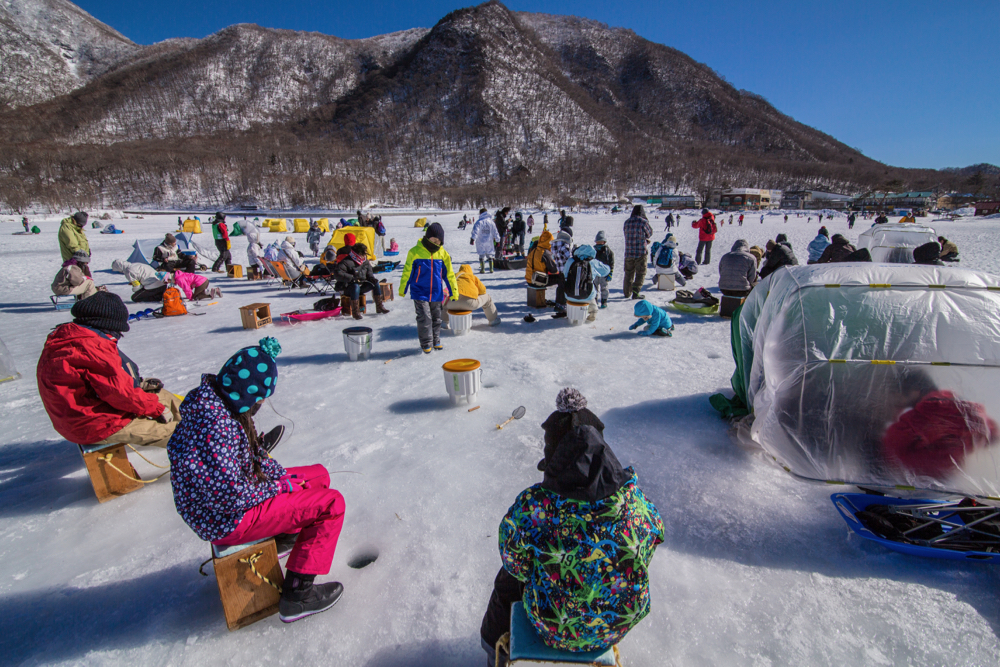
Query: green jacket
(72, 238)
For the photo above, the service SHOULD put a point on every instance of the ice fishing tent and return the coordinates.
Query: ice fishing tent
(893, 242)
(7, 370)
(301, 225)
(364, 235)
(142, 250)
(192, 226)
(324, 224)
(875, 374)
(420, 222)
(277, 224)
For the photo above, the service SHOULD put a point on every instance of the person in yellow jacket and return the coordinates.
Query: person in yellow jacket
(428, 267)
(72, 238)
(540, 270)
(471, 296)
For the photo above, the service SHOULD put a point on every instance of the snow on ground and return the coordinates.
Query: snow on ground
(757, 567)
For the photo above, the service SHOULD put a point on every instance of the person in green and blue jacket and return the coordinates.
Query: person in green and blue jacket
(576, 547)
(428, 267)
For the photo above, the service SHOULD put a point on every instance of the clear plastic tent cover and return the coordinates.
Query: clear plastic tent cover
(7, 370)
(894, 242)
(877, 374)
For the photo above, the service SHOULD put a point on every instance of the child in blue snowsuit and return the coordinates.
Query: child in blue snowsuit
(656, 320)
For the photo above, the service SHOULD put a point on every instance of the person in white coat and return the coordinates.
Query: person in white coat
(146, 286)
(484, 235)
(290, 256)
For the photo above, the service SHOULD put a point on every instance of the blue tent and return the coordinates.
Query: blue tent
(143, 250)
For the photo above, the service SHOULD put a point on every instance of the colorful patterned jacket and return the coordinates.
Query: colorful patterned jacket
(210, 467)
(584, 564)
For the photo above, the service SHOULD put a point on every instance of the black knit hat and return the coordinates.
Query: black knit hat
(435, 230)
(81, 218)
(104, 310)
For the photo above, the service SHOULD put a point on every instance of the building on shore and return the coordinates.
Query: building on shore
(749, 199)
(891, 201)
(815, 200)
(987, 207)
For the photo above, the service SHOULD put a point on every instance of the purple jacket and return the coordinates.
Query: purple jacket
(210, 466)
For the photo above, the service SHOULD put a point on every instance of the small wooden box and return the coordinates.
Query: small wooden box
(536, 297)
(345, 304)
(246, 598)
(254, 273)
(235, 271)
(255, 315)
(388, 294)
(109, 483)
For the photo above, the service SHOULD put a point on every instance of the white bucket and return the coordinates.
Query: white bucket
(463, 383)
(576, 312)
(461, 322)
(358, 343)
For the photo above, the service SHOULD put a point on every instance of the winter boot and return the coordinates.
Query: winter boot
(300, 597)
(285, 542)
(604, 303)
(379, 307)
(356, 309)
(271, 439)
(490, 260)
(482, 265)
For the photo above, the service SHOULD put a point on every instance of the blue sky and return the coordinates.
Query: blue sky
(910, 83)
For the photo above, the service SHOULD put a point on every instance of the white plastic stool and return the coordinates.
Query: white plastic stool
(576, 312)
(665, 282)
(463, 378)
(461, 321)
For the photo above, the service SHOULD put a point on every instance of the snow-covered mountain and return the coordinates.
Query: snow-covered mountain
(486, 99)
(51, 47)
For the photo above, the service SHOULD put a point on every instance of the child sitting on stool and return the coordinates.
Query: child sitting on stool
(575, 547)
(230, 491)
(655, 318)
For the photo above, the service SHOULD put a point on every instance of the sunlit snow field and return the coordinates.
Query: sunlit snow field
(757, 567)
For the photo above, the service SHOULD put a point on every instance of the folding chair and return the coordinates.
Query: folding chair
(319, 284)
(282, 273)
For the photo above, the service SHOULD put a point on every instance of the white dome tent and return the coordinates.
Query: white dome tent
(7, 370)
(893, 242)
(877, 374)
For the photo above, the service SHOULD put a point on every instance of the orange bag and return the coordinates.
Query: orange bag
(172, 304)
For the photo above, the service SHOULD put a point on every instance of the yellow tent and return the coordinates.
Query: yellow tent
(364, 235)
(193, 226)
(301, 225)
(279, 225)
(324, 224)
(420, 222)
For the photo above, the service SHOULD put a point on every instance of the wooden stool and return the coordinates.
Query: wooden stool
(345, 304)
(109, 470)
(525, 647)
(536, 297)
(388, 294)
(250, 581)
(235, 271)
(729, 304)
(254, 273)
(255, 315)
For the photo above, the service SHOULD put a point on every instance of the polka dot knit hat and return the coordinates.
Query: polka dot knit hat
(249, 376)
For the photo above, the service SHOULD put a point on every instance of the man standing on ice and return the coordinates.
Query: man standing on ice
(706, 235)
(637, 235)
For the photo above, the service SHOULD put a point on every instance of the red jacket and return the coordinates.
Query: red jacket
(85, 388)
(706, 227)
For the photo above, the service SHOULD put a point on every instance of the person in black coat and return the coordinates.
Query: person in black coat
(779, 254)
(354, 277)
(517, 230)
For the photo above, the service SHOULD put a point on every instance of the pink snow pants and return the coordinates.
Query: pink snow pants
(316, 513)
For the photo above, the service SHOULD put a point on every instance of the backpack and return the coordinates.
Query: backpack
(172, 304)
(579, 281)
(665, 257)
(380, 228)
(711, 227)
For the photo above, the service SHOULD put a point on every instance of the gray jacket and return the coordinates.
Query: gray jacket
(738, 268)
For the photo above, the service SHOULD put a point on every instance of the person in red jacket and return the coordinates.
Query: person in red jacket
(222, 243)
(706, 234)
(91, 391)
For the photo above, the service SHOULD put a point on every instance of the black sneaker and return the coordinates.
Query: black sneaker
(272, 438)
(559, 313)
(308, 600)
(284, 543)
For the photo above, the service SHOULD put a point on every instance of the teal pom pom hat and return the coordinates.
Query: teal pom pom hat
(249, 376)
